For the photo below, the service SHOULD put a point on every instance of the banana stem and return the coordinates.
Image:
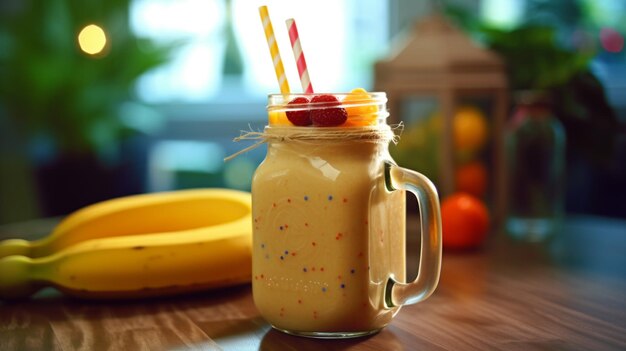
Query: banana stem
(16, 280)
(12, 247)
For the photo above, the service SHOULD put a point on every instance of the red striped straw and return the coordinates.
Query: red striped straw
(296, 46)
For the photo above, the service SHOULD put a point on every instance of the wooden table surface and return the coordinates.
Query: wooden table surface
(569, 294)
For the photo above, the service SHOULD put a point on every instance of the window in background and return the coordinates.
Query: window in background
(223, 55)
(502, 13)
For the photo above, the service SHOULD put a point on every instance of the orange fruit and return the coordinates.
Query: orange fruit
(470, 129)
(360, 115)
(471, 178)
(464, 220)
(278, 118)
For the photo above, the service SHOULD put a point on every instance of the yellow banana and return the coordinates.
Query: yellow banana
(138, 214)
(210, 247)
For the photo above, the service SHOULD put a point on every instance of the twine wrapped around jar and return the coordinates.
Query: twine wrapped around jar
(374, 134)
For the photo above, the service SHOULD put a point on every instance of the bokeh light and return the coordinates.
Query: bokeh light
(612, 40)
(92, 39)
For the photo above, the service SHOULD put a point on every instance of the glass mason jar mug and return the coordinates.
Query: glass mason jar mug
(328, 209)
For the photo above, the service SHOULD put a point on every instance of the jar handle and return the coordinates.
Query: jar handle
(398, 293)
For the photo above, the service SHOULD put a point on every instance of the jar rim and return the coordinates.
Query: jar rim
(283, 101)
(371, 94)
(360, 106)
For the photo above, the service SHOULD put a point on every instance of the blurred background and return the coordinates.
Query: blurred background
(105, 98)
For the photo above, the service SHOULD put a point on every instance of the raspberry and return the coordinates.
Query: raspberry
(299, 117)
(327, 117)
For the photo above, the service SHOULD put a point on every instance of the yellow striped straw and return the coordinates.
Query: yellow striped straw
(273, 46)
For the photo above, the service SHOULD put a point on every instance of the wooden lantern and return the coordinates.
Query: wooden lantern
(437, 60)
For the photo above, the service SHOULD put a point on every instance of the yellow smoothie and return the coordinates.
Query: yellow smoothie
(328, 234)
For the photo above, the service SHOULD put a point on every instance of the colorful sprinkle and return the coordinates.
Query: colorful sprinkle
(282, 258)
(306, 198)
(281, 227)
(286, 252)
(343, 286)
(330, 198)
(324, 289)
(352, 270)
(304, 269)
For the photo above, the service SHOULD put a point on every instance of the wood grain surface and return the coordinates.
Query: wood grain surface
(569, 294)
